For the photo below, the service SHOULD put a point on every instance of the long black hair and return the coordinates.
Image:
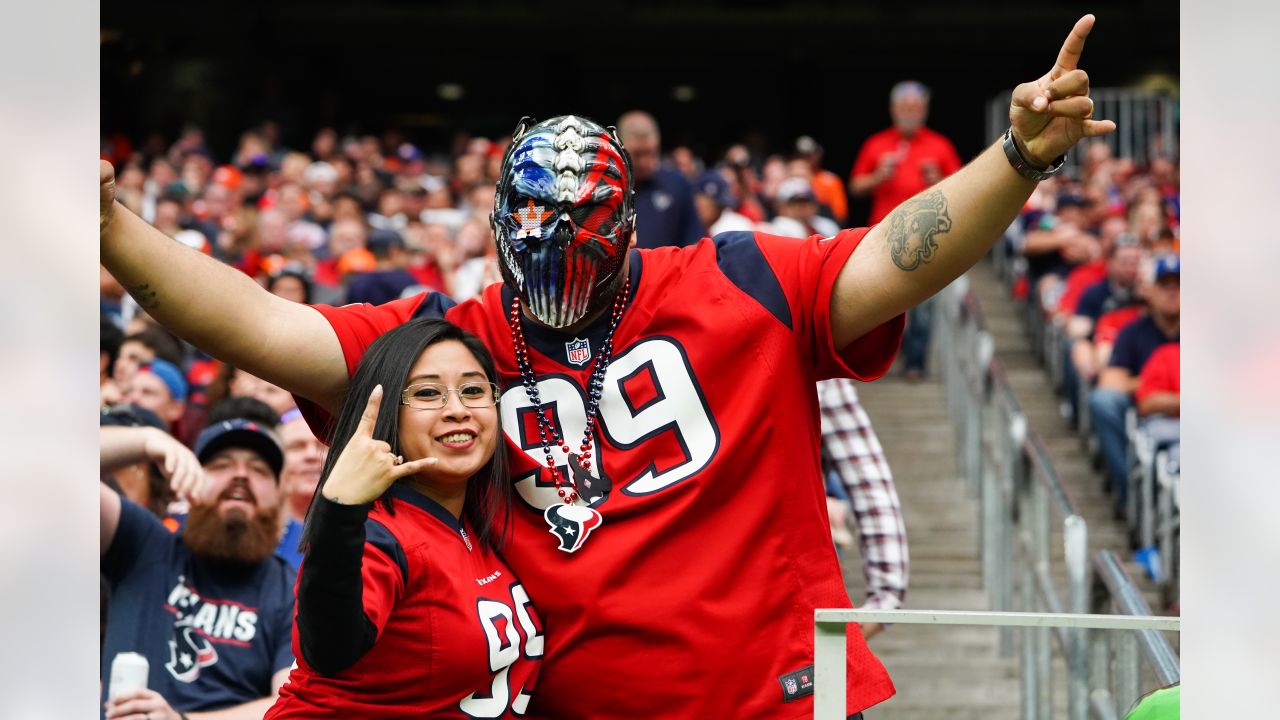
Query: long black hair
(388, 360)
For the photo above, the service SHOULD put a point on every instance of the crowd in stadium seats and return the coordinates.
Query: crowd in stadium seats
(1097, 260)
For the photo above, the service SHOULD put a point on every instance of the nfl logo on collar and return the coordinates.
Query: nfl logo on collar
(578, 351)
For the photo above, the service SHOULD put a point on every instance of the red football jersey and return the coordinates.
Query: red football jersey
(694, 595)
(457, 634)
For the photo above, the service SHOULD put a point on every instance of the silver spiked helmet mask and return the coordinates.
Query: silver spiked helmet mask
(563, 216)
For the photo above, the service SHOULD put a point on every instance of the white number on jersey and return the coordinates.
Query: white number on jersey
(504, 650)
(678, 406)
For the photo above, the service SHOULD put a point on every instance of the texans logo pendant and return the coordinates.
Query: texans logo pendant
(571, 524)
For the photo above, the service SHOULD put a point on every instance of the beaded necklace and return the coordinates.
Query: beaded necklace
(580, 463)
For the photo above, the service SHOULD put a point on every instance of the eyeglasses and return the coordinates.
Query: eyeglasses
(433, 396)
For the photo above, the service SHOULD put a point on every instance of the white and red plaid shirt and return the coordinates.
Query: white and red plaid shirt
(856, 455)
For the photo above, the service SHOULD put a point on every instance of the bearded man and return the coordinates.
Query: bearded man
(211, 605)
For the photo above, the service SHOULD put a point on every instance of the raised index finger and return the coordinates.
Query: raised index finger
(1073, 47)
(369, 418)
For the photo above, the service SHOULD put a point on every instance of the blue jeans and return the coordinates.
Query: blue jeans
(915, 340)
(1107, 409)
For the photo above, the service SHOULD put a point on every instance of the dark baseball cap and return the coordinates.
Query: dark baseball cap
(131, 415)
(241, 433)
(713, 185)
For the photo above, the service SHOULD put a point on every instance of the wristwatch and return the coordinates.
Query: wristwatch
(1023, 167)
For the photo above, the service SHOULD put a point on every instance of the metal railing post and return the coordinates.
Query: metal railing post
(1030, 639)
(1076, 551)
(1040, 541)
(1013, 487)
(1126, 671)
(829, 650)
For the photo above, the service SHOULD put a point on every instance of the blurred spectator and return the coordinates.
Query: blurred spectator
(899, 162)
(689, 165)
(304, 457)
(798, 211)
(233, 382)
(1058, 241)
(142, 347)
(141, 481)
(1159, 386)
(245, 408)
(715, 203)
(291, 283)
(109, 339)
(827, 186)
(853, 450)
(210, 606)
(160, 387)
(665, 215)
(390, 278)
(1116, 291)
(1110, 401)
(111, 297)
(893, 165)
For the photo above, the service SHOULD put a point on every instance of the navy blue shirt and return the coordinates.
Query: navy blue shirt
(1101, 298)
(665, 214)
(1136, 342)
(214, 636)
(379, 286)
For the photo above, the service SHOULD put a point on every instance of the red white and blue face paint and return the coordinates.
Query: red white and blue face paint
(563, 216)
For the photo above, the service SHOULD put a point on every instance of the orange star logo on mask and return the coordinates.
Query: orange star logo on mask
(531, 218)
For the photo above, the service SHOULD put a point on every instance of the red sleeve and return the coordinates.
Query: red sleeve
(807, 270)
(357, 326)
(1160, 374)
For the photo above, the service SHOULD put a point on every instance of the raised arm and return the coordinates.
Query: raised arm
(940, 233)
(218, 308)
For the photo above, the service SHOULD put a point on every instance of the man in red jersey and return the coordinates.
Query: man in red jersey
(905, 158)
(893, 165)
(659, 404)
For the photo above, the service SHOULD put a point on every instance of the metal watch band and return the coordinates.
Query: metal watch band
(1024, 168)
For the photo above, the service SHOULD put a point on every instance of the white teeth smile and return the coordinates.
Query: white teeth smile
(459, 437)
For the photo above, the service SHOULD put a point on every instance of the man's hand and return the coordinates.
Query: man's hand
(1053, 113)
(106, 194)
(179, 465)
(870, 629)
(142, 703)
(366, 467)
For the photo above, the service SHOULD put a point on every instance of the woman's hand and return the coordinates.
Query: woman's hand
(366, 467)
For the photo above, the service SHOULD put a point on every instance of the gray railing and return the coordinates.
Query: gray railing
(1147, 123)
(1023, 504)
(829, 646)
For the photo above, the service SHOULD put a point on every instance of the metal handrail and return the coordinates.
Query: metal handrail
(1043, 466)
(1021, 499)
(829, 641)
(1129, 601)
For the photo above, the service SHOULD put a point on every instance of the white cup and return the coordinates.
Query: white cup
(128, 672)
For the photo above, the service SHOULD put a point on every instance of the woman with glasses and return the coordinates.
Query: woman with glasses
(404, 607)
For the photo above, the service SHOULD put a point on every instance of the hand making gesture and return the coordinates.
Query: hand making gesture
(367, 467)
(1053, 113)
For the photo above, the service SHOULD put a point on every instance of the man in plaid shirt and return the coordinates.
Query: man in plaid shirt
(854, 451)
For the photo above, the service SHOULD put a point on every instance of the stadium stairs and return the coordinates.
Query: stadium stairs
(956, 672)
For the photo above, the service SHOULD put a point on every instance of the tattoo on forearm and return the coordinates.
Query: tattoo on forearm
(147, 298)
(914, 227)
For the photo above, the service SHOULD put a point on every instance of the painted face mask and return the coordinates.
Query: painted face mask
(563, 216)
